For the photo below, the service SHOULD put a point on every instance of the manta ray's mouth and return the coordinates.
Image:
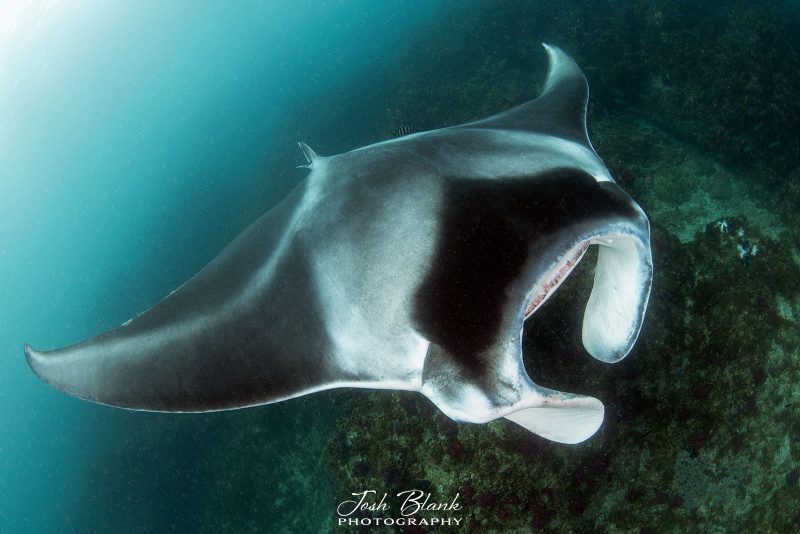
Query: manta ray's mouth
(622, 277)
(554, 277)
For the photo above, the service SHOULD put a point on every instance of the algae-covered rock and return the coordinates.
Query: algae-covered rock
(693, 108)
(701, 430)
(698, 416)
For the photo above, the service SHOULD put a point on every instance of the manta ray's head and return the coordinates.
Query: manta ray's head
(505, 248)
(515, 222)
(623, 274)
(594, 214)
(507, 245)
(521, 214)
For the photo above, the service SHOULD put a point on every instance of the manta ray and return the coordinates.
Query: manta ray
(409, 264)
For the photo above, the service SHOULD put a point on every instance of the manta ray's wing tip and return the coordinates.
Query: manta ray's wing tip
(34, 359)
(553, 51)
(30, 353)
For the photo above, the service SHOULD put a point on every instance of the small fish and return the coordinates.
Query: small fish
(400, 131)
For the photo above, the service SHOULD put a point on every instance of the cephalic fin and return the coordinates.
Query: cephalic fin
(562, 417)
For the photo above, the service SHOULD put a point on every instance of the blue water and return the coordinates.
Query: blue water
(136, 139)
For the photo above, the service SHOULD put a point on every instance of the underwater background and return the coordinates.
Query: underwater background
(138, 138)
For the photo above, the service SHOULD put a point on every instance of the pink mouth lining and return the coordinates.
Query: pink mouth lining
(555, 276)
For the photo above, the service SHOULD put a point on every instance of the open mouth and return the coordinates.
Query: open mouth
(616, 306)
(554, 277)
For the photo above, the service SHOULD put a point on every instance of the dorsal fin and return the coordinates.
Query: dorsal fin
(310, 155)
(561, 107)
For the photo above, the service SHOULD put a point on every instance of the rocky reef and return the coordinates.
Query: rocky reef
(693, 110)
(702, 418)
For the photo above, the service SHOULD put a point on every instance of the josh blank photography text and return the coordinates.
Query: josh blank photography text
(412, 502)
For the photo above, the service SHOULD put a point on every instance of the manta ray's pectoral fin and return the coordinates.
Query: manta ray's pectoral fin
(560, 109)
(246, 330)
(311, 156)
(494, 384)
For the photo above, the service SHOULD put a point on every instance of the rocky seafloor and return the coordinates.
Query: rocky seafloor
(693, 114)
(702, 425)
